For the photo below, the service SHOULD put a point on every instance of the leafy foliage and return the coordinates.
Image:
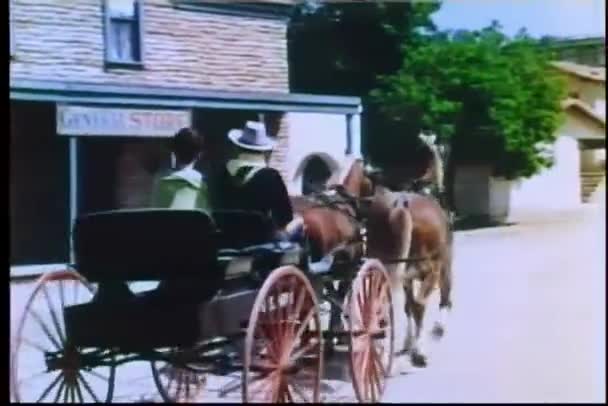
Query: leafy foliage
(341, 47)
(493, 98)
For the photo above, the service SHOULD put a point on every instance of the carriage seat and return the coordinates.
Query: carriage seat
(247, 243)
(260, 258)
(144, 244)
(177, 247)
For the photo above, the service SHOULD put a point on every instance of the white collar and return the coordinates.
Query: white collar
(245, 159)
(189, 174)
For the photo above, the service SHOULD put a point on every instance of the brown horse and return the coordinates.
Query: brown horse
(430, 267)
(407, 226)
(400, 226)
(329, 227)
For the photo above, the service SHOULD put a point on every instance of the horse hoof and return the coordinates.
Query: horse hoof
(438, 331)
(418, 359)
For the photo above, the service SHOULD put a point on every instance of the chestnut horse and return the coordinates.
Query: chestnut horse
(329, 226)
(408, 232)
(425, 261)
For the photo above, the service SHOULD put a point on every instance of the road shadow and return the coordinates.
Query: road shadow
(479, 222)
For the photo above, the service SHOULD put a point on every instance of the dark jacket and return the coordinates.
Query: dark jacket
(264, 192)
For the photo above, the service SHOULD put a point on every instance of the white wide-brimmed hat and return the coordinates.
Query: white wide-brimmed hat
(252, 137)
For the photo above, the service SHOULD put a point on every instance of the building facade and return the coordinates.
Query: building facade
(98, 86)
(579, 159)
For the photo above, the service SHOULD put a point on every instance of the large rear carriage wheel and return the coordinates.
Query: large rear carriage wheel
(283, 348)
(370, 325)
(45, 367)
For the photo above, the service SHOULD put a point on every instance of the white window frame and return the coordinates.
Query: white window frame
(136, 20)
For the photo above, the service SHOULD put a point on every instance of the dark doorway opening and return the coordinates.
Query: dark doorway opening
(315, 176)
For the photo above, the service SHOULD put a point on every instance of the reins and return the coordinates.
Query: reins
(433, 257)
(326, 201)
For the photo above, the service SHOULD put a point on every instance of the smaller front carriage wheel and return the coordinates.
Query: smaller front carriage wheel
(283, 350)
(44, 366)
(370, 325)
(178, 380)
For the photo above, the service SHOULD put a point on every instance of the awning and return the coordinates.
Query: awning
(146, 96)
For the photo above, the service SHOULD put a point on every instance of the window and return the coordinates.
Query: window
(123, 32)
(119, 172)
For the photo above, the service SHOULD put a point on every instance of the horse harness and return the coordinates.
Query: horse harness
(336, 200)
(341, 197)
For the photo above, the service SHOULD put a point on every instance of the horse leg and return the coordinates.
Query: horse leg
(409, 342)
(445, 300)
(417, 355)
(419, 300)
(396, 281)
(403, 323)
(425, 288)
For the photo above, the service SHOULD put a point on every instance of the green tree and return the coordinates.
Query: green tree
(341, 48)
(492, 98)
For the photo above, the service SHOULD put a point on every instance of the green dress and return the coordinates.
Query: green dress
(182, 190)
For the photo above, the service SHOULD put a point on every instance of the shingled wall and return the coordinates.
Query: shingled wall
(64, 40)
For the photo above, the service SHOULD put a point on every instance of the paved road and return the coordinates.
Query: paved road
(528, 323)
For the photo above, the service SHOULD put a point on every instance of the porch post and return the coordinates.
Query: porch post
(73, 191)
(349, 134)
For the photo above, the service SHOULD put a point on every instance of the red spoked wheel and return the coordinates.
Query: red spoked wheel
(283, 348)
(178, 380)
(370, 325)
(45, 367)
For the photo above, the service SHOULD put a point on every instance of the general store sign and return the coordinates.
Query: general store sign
(102, 121)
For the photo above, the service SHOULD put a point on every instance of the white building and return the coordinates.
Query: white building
(578, 153)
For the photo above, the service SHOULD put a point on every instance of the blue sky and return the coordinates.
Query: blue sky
(539, 17)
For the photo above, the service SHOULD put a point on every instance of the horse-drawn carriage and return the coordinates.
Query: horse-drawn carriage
(230, 298)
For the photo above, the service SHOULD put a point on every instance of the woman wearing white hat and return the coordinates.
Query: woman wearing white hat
(258, 186)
